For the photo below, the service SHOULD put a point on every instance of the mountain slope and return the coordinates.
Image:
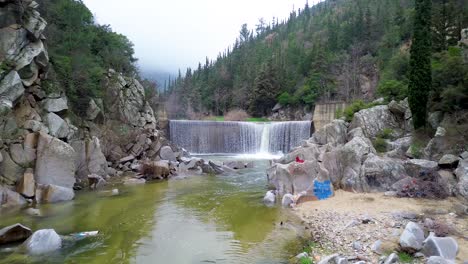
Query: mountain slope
(337, 50)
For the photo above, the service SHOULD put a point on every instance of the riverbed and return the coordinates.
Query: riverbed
(198, 219)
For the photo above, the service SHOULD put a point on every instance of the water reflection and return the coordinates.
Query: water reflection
(202, 219)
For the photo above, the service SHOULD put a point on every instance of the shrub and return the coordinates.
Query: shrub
(386, 133)
(305, 260)
(393, 90)
(355, 107)
(405, 257)
(284, 99)
(236, 115)
(380, 144)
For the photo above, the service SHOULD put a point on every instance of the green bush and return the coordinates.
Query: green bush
(380, 144)
(393, 90)
(355, 107)
(416, 150)
(305, 260)
(284, 99)
(405, 257)
(386, 133)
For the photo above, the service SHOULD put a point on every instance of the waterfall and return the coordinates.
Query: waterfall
(204, 137)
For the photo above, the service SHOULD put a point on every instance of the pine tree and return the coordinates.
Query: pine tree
(420, 78)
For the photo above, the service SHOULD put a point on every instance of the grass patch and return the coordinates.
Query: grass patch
(305, 260)
(386, 133)
(380, 144)
(405, 257)
(355, 107)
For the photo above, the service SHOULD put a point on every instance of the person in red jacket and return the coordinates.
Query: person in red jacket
(299, 160)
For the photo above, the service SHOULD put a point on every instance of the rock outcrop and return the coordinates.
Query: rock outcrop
(343, 154)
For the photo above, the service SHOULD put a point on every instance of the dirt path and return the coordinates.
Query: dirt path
(338, 223)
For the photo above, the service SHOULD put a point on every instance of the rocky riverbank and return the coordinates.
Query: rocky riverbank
(369, 226)
(380, 162)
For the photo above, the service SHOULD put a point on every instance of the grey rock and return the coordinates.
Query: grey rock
(217, 168)
(438, 260)
(89, 158)
(10, 172)
(333, 133)
(9, 198)
(448, 161)
(133, 181)
(42, 241)
(302, 255)
(22, 155)
(396, 108)
(55, 162)
(269, 198)
(53, 194)
(411, 240)
(11, 88)
(166, 153)
(33, 212)
(375, 119)
(93, 110)
(357, 245)
(435, 118)
(55, 105)
(376, 247)
(464, 155)
(57, 126)
(328, 259)
(419, 167)
(393, 258)
(36, 126)
(27, 54)
(26, 186)
(380, 173)
(288, 200)
(445, 247)
(234, 164)
(127, 159)
(34, 23)
(14, 233)
(462, 175)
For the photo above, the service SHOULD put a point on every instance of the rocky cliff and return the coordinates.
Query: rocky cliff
(44, 155)
(374, 153)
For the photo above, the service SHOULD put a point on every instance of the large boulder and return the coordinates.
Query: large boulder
(344, 167)
(462, 175)
(234, 164)
(23, 155)
(11, 88)
(14, 233)
(297, 177)
(58, 127)
(34, 23)
(445, 247)
(9, 198)
(53, 194)
(126, 101)
(89, 158)
(421, 168)
(42, 241)
(10, 171)
(55, 162)
(333, 133)
(26, 186)
(449, 161)
(55, 105)
(374, 120)
(380, 173)
(440, 145)
(166, 153)
(412, 238)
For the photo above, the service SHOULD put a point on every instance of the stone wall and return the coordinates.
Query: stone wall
(324, 113)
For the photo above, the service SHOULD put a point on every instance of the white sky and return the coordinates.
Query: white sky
(173, 34)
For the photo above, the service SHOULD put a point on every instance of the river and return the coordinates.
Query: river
(200, 219)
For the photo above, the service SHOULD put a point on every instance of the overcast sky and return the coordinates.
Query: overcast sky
(173, 34)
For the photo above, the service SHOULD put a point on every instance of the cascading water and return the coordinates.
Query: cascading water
(204, 137)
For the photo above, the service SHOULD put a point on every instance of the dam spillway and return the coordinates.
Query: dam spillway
(207, 137)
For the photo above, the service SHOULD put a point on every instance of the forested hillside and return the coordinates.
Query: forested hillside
(81, 52)
(337, 50)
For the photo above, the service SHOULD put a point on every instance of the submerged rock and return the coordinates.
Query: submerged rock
(53, 194)
(269, 198)
(14, 233)
(42, 241)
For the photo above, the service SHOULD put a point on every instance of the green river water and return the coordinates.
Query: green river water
(200, 219)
